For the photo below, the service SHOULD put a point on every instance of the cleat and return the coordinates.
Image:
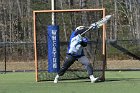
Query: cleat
(55, 80)
(94, 80)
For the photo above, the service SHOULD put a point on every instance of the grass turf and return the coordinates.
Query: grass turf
(116, 82)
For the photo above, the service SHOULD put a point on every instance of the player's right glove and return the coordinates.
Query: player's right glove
(84, 42)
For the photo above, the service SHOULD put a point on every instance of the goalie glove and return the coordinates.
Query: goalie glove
(84, 42)
(94, 25)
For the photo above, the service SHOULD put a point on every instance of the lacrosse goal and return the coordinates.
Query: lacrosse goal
(68, 20)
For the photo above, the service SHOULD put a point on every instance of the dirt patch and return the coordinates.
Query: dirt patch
(20, 66)
(123, 64)
(111, 64)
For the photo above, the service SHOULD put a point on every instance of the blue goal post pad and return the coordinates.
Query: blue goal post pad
(53, 48)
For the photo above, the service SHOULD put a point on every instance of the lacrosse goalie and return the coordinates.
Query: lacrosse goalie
(75, 50)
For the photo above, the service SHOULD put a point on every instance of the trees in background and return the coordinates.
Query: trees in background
(16, 20)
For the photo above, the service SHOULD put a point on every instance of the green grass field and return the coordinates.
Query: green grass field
(116, 82)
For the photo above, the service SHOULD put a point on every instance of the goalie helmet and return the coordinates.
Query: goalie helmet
(80, 28)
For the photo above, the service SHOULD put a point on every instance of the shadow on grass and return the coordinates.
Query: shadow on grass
(107, 80)
(121, 79)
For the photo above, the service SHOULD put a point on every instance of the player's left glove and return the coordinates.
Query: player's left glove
(94, 26)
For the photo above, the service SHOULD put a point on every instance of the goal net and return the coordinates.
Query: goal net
(68, 20)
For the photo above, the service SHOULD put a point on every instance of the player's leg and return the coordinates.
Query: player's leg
(84, 60)
(67, 63)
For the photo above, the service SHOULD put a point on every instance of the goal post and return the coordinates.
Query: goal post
(67, 20)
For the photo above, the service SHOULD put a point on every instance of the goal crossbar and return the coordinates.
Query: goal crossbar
(68, 10)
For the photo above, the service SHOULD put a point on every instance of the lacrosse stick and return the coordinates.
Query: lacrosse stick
(98, 24)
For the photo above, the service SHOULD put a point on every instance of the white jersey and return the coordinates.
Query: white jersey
(75, 46)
